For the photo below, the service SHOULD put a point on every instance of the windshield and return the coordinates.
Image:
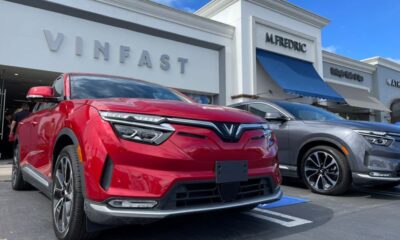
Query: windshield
(97, 87)
(307, 112)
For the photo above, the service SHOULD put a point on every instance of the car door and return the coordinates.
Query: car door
(45, 124)
(280, 128)
(25, 142)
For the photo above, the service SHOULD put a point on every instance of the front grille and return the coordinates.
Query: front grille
(204, 193)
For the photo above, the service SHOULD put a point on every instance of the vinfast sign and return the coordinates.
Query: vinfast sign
(101, 50)
(285, 42)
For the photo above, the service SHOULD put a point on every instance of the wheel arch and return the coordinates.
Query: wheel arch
(321, 141)
(65, 137)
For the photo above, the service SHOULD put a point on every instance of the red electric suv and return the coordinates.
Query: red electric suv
(110, 150)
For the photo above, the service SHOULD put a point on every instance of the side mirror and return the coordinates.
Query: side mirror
(41, 94)
(275, 116)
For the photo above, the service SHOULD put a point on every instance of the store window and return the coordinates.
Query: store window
(395, 114)
(200, 98)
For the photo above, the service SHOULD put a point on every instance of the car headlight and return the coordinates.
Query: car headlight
(376, 137)
(268, 135)
(139, 128)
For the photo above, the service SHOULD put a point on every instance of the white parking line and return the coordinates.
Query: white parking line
(293, 221)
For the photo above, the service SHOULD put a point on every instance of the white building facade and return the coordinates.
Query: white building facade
(228, 51)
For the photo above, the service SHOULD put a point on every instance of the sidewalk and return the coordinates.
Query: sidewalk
(5, 170)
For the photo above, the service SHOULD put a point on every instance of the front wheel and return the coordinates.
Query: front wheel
(17, 181)
(69, 218)
(325, 170)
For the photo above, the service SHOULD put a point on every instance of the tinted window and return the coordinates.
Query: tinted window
(261, 109)
(307, 112)
(93, 87)
(243, 107)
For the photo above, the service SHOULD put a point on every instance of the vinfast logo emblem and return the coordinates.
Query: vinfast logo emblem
(228, 130)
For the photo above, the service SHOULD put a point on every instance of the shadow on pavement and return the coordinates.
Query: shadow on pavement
(218, 225)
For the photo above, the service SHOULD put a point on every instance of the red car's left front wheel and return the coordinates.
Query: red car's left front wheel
(67, 200)
(17, 180)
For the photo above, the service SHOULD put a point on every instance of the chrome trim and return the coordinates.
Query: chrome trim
(244, 127)
(287, 167)
(35, 175)
(388, 179)
(102, 211)
(164, 126)
(194, 123)
(241, 128)
(191, 122)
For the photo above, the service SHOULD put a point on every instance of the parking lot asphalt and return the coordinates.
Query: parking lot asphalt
(360, 214)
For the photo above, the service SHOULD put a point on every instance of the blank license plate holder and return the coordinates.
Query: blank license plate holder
(231, 171)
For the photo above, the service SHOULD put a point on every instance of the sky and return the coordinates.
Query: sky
(358, 29)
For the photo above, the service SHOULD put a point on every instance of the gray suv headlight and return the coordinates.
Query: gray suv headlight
(268, 135)
(375, 137)
(139, 128)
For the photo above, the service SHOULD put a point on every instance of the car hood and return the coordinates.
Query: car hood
(175, 109)
(360, 125)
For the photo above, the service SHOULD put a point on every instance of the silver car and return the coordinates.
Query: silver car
(328, 152)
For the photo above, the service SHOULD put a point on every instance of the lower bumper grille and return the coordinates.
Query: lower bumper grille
(204, 193)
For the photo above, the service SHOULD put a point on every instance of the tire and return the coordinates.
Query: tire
(69, 218)
(325, 170)
(17, 180)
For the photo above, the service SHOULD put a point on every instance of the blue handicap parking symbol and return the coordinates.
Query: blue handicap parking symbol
(285, 201)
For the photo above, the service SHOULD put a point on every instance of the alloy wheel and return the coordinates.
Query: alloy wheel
(63, 191)
(15, 166)
(321, 171)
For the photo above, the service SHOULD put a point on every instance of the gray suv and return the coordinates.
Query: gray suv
(328, 152)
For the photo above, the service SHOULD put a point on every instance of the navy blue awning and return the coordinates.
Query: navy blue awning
(296, 76)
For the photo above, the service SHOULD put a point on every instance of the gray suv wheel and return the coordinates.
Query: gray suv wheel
(325, 170)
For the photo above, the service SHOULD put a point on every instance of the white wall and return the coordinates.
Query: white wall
(25, 45)
(251, 22)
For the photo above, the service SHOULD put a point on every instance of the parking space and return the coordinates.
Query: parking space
(360, 214)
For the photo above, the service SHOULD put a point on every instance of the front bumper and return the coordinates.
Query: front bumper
(366, 179)
(378, 165)
(101, 213)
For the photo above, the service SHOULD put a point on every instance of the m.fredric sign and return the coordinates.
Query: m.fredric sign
(285, 42)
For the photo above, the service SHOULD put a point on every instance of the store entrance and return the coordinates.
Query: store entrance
(14, 84)
(395, 114)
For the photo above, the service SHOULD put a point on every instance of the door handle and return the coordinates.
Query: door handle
(34, 123)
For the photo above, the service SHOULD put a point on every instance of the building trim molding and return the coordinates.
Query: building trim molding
(282, 7)
(336, 59)
(382, 62)
(214, 7)
(169, 14)
(328, 80)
